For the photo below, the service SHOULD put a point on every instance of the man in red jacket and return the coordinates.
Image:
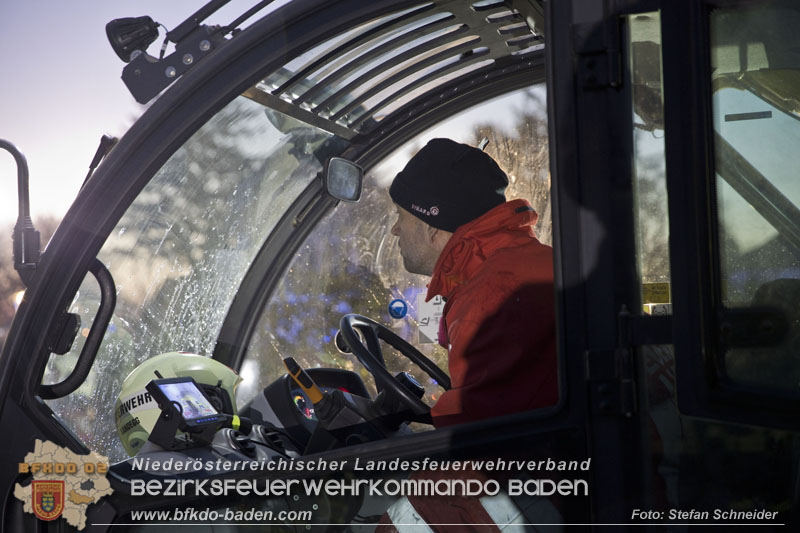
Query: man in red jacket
(455, 225)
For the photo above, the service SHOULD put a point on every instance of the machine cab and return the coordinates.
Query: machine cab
(245, 217)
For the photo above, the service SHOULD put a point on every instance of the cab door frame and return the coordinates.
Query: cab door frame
(591, 154)
(699, 319)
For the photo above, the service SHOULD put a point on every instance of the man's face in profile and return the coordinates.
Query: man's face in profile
(419, 256)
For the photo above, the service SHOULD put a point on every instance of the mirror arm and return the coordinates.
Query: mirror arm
(27, 246)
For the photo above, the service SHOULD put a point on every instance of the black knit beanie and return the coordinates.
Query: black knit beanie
(447, 184)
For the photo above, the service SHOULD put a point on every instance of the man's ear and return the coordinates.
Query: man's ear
(438, 237)
(431, 232)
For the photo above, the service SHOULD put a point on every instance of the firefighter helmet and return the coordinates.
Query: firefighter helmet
(136, 413)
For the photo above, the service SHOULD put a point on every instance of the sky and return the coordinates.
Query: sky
(60, 89)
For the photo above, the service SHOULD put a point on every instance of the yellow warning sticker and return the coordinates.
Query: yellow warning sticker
(655, 293)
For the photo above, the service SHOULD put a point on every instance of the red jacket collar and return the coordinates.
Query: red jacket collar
(504, 226)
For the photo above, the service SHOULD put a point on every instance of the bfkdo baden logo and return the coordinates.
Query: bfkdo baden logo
(64, 483)
(48, 499)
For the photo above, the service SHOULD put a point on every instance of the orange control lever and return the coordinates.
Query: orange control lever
(303, 380)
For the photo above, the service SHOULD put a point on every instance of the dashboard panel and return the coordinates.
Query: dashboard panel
(284, 405)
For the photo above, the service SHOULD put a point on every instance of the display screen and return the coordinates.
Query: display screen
(193, 403)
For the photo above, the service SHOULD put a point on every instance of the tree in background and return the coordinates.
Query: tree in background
(652, 222)
(523, 154)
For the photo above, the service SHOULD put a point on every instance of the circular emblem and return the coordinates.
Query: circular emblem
(398, 309)
(434, 210)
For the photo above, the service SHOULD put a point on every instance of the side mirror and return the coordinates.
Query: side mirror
(342, 179)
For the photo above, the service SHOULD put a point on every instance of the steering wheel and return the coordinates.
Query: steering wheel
(370, 355)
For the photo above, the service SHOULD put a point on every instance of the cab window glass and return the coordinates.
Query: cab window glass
(178, 254)
(351, 262)
(756, 112)
(650, 181)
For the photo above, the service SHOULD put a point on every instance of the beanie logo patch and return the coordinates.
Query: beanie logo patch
(432, 212)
